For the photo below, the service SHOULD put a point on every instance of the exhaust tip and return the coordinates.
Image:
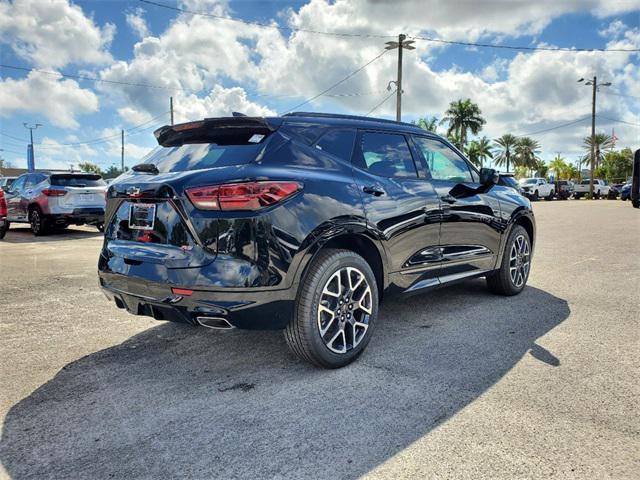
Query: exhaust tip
(214, 322)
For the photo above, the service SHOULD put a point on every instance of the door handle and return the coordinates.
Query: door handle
(448, 199)
(373, 190)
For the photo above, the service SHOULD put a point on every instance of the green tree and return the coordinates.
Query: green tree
(602, 142)
(484, 150)
(526, 153)
(461, 117)
(112, 172)
(506, 147)
(89, 168)
(472, 153)
(617, 165)
(559, 166)
(428, 124)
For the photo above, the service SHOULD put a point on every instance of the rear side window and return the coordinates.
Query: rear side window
(443, 163)
(338, 143)
(386, 154)
(196, 156)
(77, 180)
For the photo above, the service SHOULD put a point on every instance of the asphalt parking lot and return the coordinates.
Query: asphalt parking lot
(455, 384)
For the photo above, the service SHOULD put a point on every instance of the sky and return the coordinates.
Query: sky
(276, 55)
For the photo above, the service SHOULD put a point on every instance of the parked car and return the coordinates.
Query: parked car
(48, 201)
(600, 188)
(303, 223)
(537, 187)
(4, 225)
(5, 182)
(625, 192)
(564, 189)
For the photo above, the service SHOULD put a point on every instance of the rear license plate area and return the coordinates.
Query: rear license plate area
(142, 216)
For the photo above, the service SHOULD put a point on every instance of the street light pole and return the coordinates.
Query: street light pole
(594, 84)
(31, 159)
(400, 44)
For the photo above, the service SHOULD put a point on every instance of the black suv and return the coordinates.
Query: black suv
(302, 223)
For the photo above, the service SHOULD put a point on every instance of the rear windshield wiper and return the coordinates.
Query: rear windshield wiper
(146, 168)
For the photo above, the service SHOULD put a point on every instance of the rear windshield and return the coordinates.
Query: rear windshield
(585, 182)
(196, 156)
(77, 181)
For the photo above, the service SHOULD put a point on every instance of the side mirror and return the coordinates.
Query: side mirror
(488, 177)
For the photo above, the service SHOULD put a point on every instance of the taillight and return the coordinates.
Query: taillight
(52, 192)
(241, 196)
(3, 204)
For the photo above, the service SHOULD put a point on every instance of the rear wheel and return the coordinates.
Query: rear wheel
(551, 194)
(3, 230)
(38, 222)
(511, 277)
(336, 310)
(535, 196)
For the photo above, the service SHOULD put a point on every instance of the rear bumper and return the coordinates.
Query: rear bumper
(79, 216)
(251, 309)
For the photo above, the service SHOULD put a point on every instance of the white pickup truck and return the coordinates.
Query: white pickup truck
(537, 187)
(600, 188)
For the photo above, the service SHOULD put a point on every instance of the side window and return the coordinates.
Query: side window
(338, 143)
(442, 162)
(18, 185)
(386, 154)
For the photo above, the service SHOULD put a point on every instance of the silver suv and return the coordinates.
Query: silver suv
(48, 201)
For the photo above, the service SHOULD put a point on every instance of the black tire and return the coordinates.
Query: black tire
(501, 282)
(303, 333)
(38, 223)
(576, 196)
(535, 196)
(100, 226)
(550, 197)
(3, 230)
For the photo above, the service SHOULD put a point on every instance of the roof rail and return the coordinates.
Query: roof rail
(346, 117)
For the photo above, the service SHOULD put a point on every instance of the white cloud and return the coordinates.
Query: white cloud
(53, 33)
(59, 100)
(137, 23)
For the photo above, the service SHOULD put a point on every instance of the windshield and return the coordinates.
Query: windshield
(77, 181)
(196, 156)
(510, 181)
(584, 182)
(528, 181)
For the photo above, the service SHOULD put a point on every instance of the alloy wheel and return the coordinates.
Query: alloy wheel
(35, 221)
(519, 261)
(344, 310)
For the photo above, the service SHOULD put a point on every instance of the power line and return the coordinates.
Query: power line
(10, 151)
(618, 120)
(338, 82)
(378, 35)
(380, 104)
(553, 128)
(93, 79)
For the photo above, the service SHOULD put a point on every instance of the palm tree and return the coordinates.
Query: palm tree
(602, 142)
(484, 150)
(463, 116)
(559, 166)
(506, 144)
(526, 153)
(428, 124)
(473, 153)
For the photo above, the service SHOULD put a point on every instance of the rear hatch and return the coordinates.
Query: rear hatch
(83, 190)
(150, 219)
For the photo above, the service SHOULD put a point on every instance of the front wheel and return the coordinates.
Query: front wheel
(512, 276)
(551, 193)
(336, 310)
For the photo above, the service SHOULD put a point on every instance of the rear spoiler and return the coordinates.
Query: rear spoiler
(223, 130)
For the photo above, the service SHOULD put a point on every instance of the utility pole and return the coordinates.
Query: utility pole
(31, 159)
(122, 151)
(171, 108)
(400, 44)
(594, 84)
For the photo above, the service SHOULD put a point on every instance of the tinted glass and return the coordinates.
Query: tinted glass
(585, 182)
(443, 163)
(19, 183)
(338, 143)
(196, 156)
(77, 181)
(387, 155)
(509, 182)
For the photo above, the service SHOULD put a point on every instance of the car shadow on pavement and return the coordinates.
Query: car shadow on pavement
(22, 234)
(176, 401)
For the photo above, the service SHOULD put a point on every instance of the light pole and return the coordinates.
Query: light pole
(400, 45)
(31, 160)
(595, 85)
